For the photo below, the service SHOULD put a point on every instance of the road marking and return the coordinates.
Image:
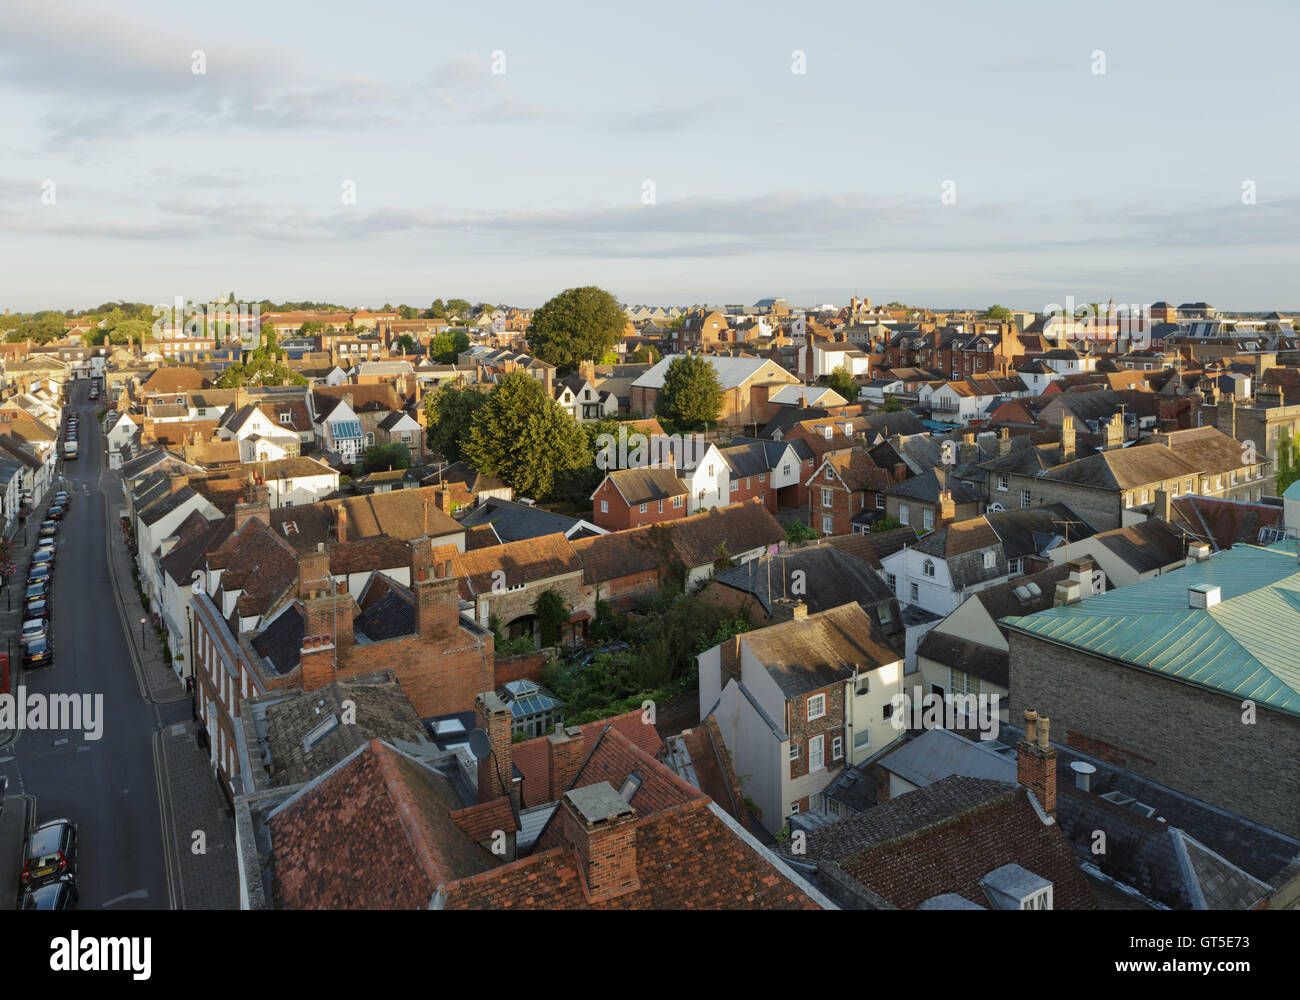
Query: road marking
(83, 749)
(177, 730)
(59, 743)
(138, 894)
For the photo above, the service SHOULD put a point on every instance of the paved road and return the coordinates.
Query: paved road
(109, 786)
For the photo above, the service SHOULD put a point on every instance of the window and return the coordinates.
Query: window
(864, 684)
(880, 501)
(785, 469)
(794, 751)
(762, 478)
(862, 739)
(928, 567)
(904, 515)
(916, 593)
(837, 748)
(286, 418)
(927, 519)
(1016, 566)
(1025, 499)
(892, 580)
(710, 470)
(794, 808)
(661, 506)
(1004, 483)
(604, 506)
(828, 525)
(816, 706)
(826, 498)
(677, 501)
(643, 508)
(962, 683)
(816, 753)
(887, 711)
(990, 559)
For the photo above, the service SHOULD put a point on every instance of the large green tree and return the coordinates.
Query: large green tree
(446, 346)
(842, 382)
(383, 457)
(691, 395)
(579, 324)
(522, 436)
(997, 313)
(450, 414)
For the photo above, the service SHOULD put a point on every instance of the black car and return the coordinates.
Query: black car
(51, 853)
(57, 894)
(39, 653)
(39, 573)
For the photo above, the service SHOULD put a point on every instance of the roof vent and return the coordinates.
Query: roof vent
(1198, 552)
(1083, 772)
(1203, 596)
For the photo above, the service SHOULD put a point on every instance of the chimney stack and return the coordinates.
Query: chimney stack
(341, 523)
(602, 829)
(258, 505)
(1067, 438)
(947, 512)
(1162, 505)
(1036, 761)
(437, 592)
(1004, 442)
(786, 609)
(564, 753)
(492, 715)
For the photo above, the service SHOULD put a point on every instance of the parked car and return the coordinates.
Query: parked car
(39, 653)
(51, 853)
(38, 609)
(45, 545)
(63, 499)
(57, 894)
(55, 512)
(43, 555)
(35, 592)
(48, 529)
(33, 629)
(39, 573)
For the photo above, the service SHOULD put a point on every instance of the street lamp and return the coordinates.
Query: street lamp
(142, 621)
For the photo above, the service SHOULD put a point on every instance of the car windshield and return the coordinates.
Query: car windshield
(38, 646)
(35, 625)
(36, 590)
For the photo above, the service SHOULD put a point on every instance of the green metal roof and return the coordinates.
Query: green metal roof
(1292, 491)
(1247, 645)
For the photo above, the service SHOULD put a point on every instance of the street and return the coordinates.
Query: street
(109, 786)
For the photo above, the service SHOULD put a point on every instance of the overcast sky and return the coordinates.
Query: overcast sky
(510, 186)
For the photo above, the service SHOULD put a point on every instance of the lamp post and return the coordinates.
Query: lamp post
(142, 621)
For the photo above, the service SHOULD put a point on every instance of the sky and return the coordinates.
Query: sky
(941, 154)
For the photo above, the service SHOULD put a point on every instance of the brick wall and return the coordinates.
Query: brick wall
(526, 666)
(829, 725)
(1187, 738)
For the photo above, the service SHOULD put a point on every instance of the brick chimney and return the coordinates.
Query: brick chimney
(968, 451)
(1162, 505)
(317, 660)
(787, 609)
(947, 512)
(602, 829)
(442, 498)
(436, 590)
(347, 398)
(1036, 761)
(564, 754)
(1004, 442)
(496, 772)
(314, 572)
(329, 610)
(341, 523)
(257, 504)
(1226, 417)
(1115, 431)
(900, 472)
(1067, 438)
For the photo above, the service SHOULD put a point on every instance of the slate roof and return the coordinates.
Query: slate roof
(1124, 468)
(280, 643)
(926, 488)
(1148, 545)
(1026, 531)
(515, 521)
(986, 662)
(817, 651)
(391, 616)
(874, 547)
(1223, 522)
(940, 753)
(524, 562)
(638, 486)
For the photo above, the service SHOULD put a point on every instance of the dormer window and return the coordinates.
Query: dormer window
(928, 567)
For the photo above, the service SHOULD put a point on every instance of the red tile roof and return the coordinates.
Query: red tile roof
(530, 756)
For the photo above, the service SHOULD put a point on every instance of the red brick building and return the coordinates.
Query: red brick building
(633, 498)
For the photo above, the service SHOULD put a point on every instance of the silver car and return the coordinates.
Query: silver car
(33, 629)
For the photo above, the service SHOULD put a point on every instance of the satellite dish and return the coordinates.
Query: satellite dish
(479, 745)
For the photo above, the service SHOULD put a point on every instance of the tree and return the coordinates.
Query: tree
(457, 307)
(997, 313)
(1288, 463)
(842, 382)
(408, 312)
(886, 523)
(579, 324)
(405, 343)
(383, 457)
(448, 345)
(691, 395)
(522, 436)
(552, 614)
(797, 531)
(437, 310)
(892, 405)
(450, 415)
(645, 355)
(310, 327)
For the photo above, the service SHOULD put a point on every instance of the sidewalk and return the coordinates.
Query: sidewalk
(193, 801)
